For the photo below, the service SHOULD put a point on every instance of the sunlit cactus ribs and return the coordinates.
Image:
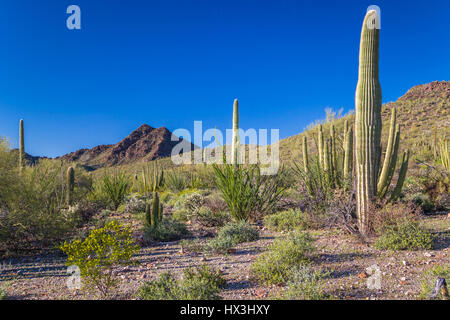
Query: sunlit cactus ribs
(368, 128)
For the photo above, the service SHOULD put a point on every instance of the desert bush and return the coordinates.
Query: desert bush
(246, 192)
(429, 278)
(304, 284)
(116, 186)
(219, 245)
(406, 235)
(276, 265)
(287, 220)
(33, 211)
(200, 283)
(422, 200)
(194, 202)
(239, 232)
(166, 230)
(390, 215)
(134, 204)
(99, 253)
(206, 217)
(3, 292)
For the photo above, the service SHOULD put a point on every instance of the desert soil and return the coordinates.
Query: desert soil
(44, 276)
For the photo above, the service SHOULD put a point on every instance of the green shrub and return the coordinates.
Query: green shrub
(229, 236)
(287, 220)
(116, 186)
(304, 284)
(407, 235)
(206, 217)
(3, 292)
(429, 279)
(219, 245)
(239, 232)
(166, 230)
(275, 265)
(246, 192)
(33, 210)
(99, 253)
(181, 215)
(423, 200)
(201, 283)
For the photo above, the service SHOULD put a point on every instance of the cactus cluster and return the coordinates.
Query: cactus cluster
(154, 212)
(335, 166)
(369, 182)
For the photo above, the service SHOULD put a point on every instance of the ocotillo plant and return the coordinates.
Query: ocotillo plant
(70, 185)
(368, 126)
(154, 216)
(235, 141)
(21, 145)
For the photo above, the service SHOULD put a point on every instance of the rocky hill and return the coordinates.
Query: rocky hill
(423, 113)
(143, 144)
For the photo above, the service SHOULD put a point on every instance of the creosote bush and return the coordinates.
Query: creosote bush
(200, 283)
(166, 230)
(406, 235)
(231, 235)
(287, 220)
(283, 256)
(97, 256)
(304, 284)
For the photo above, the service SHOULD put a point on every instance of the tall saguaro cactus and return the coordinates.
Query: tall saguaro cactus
(70, 185)
(21, 145)
(367, 120)
(235, 141)
(320, 138)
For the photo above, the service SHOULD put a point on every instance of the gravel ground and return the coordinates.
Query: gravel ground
(44, 276)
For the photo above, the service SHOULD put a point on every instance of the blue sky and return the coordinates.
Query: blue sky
(168, 63)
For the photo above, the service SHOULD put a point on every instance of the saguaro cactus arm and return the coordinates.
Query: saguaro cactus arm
(390, 158)
(401, 176)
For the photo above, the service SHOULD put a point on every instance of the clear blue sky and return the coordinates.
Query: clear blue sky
(168, 63)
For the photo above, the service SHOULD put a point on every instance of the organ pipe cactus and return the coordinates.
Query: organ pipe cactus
(70, 185)
(21, 145)
(321, 151)
(235, 140)
(154, 213)
(367, 121)
(348, 155)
